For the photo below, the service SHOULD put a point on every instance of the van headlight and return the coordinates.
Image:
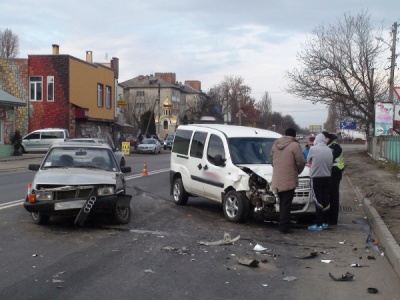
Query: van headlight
(43, 195)
(105, 191)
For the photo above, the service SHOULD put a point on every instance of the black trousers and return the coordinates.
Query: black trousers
(320, 194)
(285, 201)
(334, 198)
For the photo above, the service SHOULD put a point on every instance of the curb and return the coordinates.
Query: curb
(386, 240)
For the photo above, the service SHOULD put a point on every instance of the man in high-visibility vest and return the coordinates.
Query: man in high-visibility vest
(336, 177)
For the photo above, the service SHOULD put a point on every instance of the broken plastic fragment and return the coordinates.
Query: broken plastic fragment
(248, 262)
(308, 255)
(149, 271)
(345, 277)
(326, 261)
(258, 247)
(356, 265)
(290, 278)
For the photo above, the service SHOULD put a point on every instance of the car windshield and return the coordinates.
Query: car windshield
(80, 157)
(250, 150)
(149, 141)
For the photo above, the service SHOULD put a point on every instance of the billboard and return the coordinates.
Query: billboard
(383, 118)
(348, 124)
(396, 121)
(315, 128)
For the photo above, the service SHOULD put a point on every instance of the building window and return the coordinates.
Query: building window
(35, 83)
(165, 125)
(108, 96)
(50, 88)
(139, 93)
(100, 95)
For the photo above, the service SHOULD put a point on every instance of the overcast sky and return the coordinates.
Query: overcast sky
(201, 40)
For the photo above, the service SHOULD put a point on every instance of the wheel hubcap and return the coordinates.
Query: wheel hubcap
(231, 206)
(177, 192)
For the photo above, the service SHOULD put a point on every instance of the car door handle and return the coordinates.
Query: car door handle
(199, 167)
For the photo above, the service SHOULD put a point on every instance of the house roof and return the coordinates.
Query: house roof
(8, 99)
(146, 82)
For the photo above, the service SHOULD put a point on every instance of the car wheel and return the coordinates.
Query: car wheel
(179, 194)
(236, 207)
(165, 148)
(122, 162)
(39, 218)
(121, 215)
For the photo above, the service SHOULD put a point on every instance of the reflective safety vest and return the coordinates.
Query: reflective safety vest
(339, 161)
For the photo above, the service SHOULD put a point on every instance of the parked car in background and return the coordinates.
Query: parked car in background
(169, 141)
(118, 154)
(78, 179)
(149, 146)
(42, 139)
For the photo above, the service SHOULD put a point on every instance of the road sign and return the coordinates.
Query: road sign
(348, 124)
(126, 148)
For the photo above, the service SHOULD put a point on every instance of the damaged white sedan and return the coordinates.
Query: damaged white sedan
(80, 180)
(230, 164)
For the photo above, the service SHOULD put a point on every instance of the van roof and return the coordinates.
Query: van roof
(234, 130)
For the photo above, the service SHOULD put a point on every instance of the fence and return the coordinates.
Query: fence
(384, 147)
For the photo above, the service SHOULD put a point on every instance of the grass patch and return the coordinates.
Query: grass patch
(389, 165)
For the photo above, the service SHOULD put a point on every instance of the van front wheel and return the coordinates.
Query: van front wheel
(179, 194)
(236, 207)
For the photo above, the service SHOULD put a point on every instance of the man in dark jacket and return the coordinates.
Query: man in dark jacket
(336, 177)
(288, 162)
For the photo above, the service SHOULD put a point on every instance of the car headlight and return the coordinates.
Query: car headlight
(43, 195)
(105, 191)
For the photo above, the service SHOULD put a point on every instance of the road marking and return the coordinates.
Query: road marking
(11, 204)
(150, 173)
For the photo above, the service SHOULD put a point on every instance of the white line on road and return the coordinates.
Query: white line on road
(11, 204)
(149, 173)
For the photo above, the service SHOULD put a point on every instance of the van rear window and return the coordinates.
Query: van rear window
(182, 141)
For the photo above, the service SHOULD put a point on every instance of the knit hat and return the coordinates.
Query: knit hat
(290, 132)
(327, 134)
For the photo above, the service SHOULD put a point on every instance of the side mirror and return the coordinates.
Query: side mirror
(126, 169)
(33, 167)
(219, 161)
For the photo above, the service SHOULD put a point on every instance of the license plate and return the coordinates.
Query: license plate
(69, 205)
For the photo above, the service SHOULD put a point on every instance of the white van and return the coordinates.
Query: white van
(231, 165)
(41, 140)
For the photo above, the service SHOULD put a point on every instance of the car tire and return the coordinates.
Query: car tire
(122, 162)
(121, 215)
(39, 218)
(236, 207)
(165, 148)
(179, 193)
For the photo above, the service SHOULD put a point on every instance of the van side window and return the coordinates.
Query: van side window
(215, 146)
(182, 141)
(33, 136)
(198, 142)
(52, 135)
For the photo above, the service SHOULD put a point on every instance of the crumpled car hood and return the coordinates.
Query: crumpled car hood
(74, 177)
(265, 171)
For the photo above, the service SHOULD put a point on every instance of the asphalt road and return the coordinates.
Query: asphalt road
(157, 255)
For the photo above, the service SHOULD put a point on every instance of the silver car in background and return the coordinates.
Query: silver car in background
(149, 146)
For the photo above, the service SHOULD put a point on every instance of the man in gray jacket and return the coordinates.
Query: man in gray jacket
(320, 160)
(288, 162)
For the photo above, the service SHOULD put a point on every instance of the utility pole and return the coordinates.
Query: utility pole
(392, 61)
(159, 110)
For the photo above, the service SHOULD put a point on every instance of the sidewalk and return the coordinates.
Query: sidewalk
(14, 163)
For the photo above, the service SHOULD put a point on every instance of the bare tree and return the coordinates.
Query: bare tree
(265, 108)
(9, 44)
(136, 106)
(233, 95)
(338, 66)
(203, 106)
(332, 122)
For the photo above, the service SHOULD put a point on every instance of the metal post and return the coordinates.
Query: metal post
(392, 61)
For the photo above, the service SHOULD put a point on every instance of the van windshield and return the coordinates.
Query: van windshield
(250, 150)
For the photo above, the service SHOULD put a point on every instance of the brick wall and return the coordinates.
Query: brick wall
(170, 77)
(50, 114)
